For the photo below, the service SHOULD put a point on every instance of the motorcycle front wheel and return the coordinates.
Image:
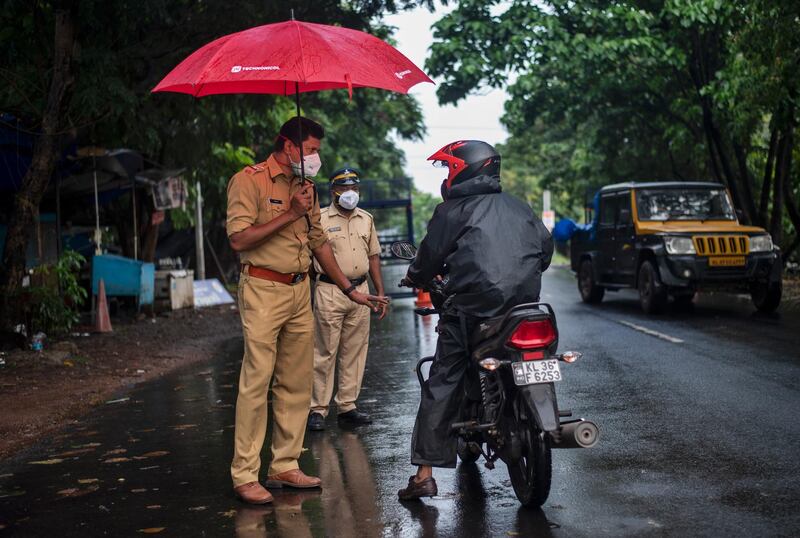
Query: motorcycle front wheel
(530, 474)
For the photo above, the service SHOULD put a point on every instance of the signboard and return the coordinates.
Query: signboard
(169, 193)
(210, 292)
(549, 219)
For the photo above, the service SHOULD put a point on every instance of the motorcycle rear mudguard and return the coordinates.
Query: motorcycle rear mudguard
(541, 401)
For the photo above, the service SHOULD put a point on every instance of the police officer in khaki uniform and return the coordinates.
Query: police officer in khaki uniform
(274, 224)
(341, 327)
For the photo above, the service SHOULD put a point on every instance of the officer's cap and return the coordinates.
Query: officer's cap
(345, 176)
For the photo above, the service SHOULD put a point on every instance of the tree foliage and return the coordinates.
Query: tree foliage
(114, 52)
(638, 90)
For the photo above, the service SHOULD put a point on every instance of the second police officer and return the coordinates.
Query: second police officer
(341, 327)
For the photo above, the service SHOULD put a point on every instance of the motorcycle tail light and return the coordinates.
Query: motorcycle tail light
(532, 355)
(533, 335)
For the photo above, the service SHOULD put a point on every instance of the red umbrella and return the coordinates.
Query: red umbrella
(292, 57)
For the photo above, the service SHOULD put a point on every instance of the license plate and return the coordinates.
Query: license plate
(532, 372)
(726, 261)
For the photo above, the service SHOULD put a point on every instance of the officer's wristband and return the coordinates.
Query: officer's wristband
(349, 290)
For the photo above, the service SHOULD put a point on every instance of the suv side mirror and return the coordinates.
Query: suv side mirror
(624, 216)
(739, 215)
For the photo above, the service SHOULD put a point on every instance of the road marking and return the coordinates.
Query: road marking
(651, 332)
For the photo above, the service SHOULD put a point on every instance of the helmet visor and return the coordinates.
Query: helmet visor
(441, 164)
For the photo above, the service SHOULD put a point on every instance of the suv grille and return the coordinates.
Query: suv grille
(721, 245)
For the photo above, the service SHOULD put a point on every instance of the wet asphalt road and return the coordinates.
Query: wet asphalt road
(698, 423)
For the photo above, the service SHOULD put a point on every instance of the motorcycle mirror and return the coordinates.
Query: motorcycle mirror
(403, 250)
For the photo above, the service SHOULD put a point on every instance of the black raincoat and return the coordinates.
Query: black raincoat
(492, 244)
(494, 250)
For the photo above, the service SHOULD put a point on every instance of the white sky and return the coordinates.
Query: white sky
(476, 117)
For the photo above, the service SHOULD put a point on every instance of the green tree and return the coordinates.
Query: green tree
(83, 69)
(631, 90)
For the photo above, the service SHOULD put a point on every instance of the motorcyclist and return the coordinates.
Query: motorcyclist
(493, 249)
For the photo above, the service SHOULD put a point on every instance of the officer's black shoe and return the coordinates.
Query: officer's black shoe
(354, 418)
(316, 422)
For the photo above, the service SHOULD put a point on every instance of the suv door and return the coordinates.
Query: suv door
(625, 239)
(606, 243)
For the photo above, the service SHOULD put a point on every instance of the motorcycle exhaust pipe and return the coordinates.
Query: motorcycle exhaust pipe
(577, 434)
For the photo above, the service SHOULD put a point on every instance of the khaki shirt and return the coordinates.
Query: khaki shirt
(260, 193)
(353, 240)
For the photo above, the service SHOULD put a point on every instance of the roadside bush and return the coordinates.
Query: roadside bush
(56, 296)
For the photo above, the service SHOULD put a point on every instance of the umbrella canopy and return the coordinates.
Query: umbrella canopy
(289, 57)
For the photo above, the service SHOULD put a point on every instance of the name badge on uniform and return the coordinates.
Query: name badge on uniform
(274, 201)
(335, 229)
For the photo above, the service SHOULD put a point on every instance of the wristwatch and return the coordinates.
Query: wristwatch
(349, 290)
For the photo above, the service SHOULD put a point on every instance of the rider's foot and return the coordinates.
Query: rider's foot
(416, 489)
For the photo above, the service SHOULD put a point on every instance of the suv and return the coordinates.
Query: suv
(673, 239)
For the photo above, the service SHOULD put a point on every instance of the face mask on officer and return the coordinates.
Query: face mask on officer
(348, 200)
(312, 163)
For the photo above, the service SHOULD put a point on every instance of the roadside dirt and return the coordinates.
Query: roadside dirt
(41, 392)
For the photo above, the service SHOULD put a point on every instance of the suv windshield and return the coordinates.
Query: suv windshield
(680, 204)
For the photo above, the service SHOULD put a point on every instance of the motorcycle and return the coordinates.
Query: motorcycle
(514, 416)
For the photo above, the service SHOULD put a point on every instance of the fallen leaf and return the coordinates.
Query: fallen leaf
(88, 445)
(148, 468)
(120, 400)
(151, 530)
(197, 508)
(147, 430)
(15, 493)
(7, 475)
(69, 363)
(73, 452)
(117, 451)
(153, 507)
(229, 513)
(139, 490)
(77, 492)
(116, 460)
(155, 454)
(88, 480)
(179, 387)
(182, 427)
(46, 462)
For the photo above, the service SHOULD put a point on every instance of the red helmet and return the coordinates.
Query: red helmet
(466, 159)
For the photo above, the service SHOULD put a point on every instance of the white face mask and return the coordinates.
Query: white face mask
(312, 164)
(349, 200)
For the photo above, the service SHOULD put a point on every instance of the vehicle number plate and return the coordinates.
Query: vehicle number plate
(532, 372)
(726, 261)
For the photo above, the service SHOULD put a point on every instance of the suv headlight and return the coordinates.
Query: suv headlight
(761, 243)
(679, 245)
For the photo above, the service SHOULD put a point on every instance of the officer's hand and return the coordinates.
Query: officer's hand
(302, 201)
(383, 308)
(372, 301)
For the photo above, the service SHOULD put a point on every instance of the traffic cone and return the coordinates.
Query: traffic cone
(102, 319)
(423, 299)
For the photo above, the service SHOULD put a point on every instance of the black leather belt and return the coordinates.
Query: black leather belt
(354, 281)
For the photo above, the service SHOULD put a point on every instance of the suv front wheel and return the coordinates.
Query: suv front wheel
(652, 294)
(766, 296)
(590, 291)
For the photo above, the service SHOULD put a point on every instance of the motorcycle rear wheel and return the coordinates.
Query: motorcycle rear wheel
(531, 473)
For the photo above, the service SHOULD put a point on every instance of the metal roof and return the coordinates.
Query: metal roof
(662, 185)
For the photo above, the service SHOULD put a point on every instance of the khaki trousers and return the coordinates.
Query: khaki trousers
(278, 346)
(341, 328)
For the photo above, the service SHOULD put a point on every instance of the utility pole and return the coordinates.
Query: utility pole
(198, 236)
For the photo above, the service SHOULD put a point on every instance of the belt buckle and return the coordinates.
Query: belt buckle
(298, 277)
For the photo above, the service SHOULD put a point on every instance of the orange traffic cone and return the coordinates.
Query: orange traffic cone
(102, 319)
(423, 299)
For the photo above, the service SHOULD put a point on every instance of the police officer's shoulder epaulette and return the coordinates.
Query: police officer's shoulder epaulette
(255, 168)
(366, 214)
